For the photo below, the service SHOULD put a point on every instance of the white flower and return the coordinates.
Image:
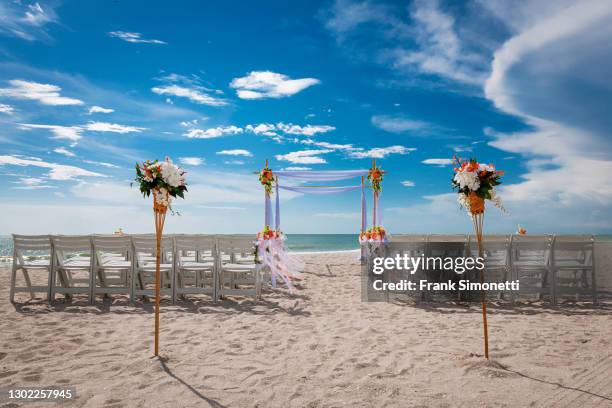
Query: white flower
(162, 197)
(464, 202)
(497, 201)
(171, 173)
(467, 179)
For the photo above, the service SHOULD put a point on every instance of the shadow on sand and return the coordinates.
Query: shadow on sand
(270, 304)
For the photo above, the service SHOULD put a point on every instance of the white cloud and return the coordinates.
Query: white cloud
(57, 171)
(72, 133)
(191, 161)
(103, 164)
(407, 183)
(194, 94)
(304, 156)
(45, 94)
(381, 152)
(211, 133)
(112, 127)
(266, 129)
(296, 168)
(429, 44)
(267, 84)
(64, 151)
(26, 22)
(99, 109)
(438, 162)
(566, 147)
(234, 162)
(8, 109)
(400, 124)
(133, 37)
(327, 145)
(308, 130)
(236, 152)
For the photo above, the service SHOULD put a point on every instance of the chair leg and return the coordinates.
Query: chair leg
(28, 281)
(593, 286)
(13, 277)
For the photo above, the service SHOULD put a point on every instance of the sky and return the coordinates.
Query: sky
(87, 89)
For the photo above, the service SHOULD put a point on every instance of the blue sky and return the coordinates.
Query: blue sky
(88, 88)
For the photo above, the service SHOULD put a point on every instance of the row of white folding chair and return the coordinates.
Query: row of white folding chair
(536, 261)
(126, 264)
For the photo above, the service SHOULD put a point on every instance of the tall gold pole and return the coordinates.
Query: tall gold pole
(478, 220)
(159, 211)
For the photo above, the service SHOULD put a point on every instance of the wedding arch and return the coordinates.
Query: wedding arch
(273, 180)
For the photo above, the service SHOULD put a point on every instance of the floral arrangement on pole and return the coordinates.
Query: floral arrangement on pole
(373, 234)
(164, 179)
(475, 183)
(266, 178)
(375, 177)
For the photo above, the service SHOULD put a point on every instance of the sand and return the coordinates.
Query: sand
(320, 348)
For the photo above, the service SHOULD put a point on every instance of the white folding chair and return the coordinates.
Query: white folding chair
(31, 254)
(113, 265)
(496, 259)
(143, 281)
(530, 262)
(195, 265)
(573, 265)
(441, 247)
(73, 265)
(233, 271)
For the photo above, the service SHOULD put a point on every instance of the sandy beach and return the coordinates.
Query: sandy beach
(320, 348)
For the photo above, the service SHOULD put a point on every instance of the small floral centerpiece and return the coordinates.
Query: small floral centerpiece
(375, 177)
(520, 230)
(269, 233)
(266, 178)
(164, 179)
(373, 234)
(475, 183)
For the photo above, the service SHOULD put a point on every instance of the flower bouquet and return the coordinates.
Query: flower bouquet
(375, 177)
(266, 178)
(164, 179)
(269, 233)
(373, 234)
(476, 183)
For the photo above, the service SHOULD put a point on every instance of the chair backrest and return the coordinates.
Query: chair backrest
(496, 248)
(111, 244)
(194, 242)
(72, 243)
(30, 245)
(65, 245)
(531, 249)
(146, 245)
(235, 244)
(446, 245)
(577, 247)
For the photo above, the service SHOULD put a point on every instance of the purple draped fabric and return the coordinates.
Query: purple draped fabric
(364, 214)
(277, 215)
(320, 190)
(331, 175)
(268, 210)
